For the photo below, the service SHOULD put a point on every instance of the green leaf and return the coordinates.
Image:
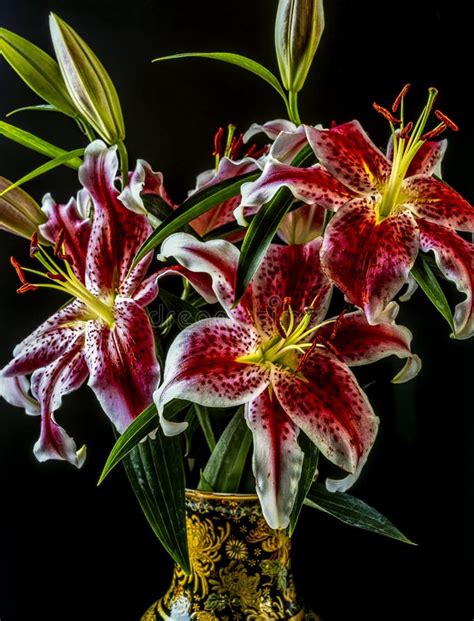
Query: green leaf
(30, 141)
(308, 473)
(39, 108)
(429, 284)
(197, 204)
(353, 512)
(40, 72)
(193, 426)
(44, 168)
(263, 227)
(224, 469)
(185, 313)
(156, 473)
(204, 419)
(88, 83)
(235, 59)
(136, 431)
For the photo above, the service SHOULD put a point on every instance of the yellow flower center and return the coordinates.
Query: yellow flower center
(293, 339)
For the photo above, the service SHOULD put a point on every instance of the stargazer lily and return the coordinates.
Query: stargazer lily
(104, 333)
(277, 354)
(387, 209)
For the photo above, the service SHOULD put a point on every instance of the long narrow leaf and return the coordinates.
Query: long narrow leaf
(156, 474)
(263, 228)
(224, 469)
(429, 284)
(235, 59)
(194, 206)
(203, 417)
(136, 431)
(44, 168)
(30, 141)
(38, 108)
(308, 473)
(353, 512)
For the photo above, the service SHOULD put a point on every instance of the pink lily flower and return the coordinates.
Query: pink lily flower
(104, 334)
(276, 353)
(388, 208)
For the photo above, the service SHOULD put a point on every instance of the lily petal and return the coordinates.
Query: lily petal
(122, 363)
(313, 185)
(369, 261)
(143, 180)
(117, 232)
(67, 220)
(213, 262)
(455, 258)
(290, 273)
(302, 225)
(271, 129)
(347, 152)
(435, 201)
(325, 401)
(15, 391)
(428, 159)
(288, 144)
(49, 385)
(50, 341)
(359, 343)
(201, 366)
(277, 458)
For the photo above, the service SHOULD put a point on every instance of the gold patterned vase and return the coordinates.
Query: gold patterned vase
(240, 568)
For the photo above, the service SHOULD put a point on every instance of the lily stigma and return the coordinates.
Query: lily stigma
(407, 141)
(62, 279)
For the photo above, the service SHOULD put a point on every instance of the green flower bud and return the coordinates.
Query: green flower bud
(87, 82)
(19, 212)
(298, 29)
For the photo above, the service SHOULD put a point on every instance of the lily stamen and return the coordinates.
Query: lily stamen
(446, 120)
(400, 97)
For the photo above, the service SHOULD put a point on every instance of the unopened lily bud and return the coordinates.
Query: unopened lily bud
(298, 29)
(87, 82)
(19, 212)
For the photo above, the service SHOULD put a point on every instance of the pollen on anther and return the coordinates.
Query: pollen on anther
(406, 130)
(400, 97)
(54, 276)
(218, 142)
(19, 270)
(434, 132)
(386, 114)
(34, 246)
(446, 120)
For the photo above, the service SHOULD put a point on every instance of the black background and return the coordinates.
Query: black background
(71, 551)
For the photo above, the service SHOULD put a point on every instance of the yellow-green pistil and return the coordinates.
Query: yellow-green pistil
(407, 141)
(287, 344)
(63, 279)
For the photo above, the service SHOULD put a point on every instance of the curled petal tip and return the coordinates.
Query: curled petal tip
(410, 370)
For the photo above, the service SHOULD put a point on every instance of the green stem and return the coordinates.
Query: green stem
(123, 162)
(293, 108)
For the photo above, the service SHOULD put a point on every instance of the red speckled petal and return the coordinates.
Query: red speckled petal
(122, 363)
(277, 458)
(201, 366)
(147, 291)
(215, 265)
(455, 258)
(435, 201)
(310, 185)
(143, 180)
(369, 262)
(357, 342)
(428, 159)
(48, 342)
(49, 385)
(76, 227)
(349, 154)
(117, 233)
(292, 272)
(325, 401)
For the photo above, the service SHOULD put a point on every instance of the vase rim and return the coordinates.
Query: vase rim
(233, 496)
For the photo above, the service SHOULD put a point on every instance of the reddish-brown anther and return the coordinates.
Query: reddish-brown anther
(400, 97)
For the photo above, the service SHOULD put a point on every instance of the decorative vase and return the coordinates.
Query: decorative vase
(240, 568)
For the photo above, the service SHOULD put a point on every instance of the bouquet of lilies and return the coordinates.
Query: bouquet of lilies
(243, 311)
